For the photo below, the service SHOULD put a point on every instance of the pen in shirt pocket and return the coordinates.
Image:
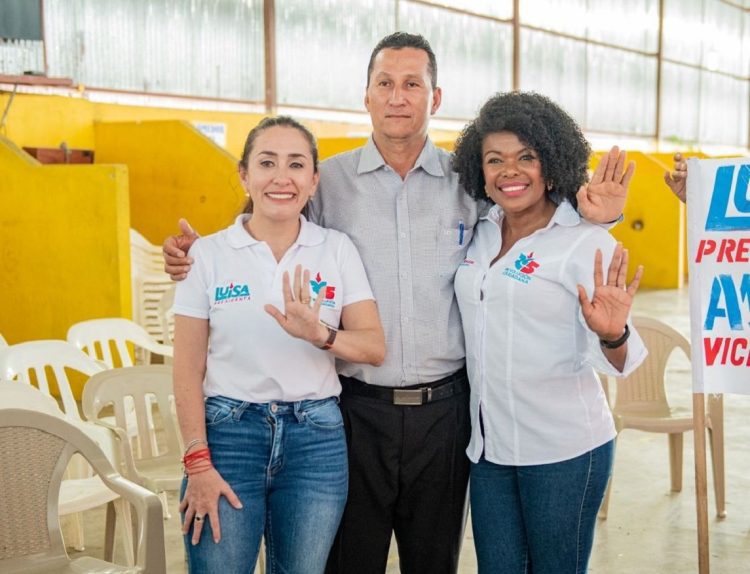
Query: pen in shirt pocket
(460, 231)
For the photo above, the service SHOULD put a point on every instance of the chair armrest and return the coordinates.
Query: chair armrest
(128, 460)
(150, 546)
(159, 348)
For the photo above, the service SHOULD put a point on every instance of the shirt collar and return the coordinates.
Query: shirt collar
(238, 237)
(564, 215)
(370, 159)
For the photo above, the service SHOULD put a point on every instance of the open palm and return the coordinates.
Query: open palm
(607, 311)
(602, 200)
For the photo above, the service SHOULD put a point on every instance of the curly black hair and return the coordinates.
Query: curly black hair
(538, 123)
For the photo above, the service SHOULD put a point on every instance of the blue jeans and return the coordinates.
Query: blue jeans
(538, 519)
(287, 464)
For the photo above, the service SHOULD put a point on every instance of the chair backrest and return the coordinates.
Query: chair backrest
(144, 255)
(28, 361)
(36, 447)
(643, 392)
(166, 315)
(97, 336)
(16, 395)
(149, 282)
(150, 390)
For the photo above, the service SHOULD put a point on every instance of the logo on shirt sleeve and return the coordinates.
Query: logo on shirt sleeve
(323, 289)
(232, 293)
(525, 265)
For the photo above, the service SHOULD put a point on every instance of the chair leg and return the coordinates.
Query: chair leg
(260, 566)
(73, 531)
(109, 533)
(164, 505)
(125, 519)
(675, 461)
(716, 440)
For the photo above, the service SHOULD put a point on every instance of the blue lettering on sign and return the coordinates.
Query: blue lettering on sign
(733, 297)
(717, 219)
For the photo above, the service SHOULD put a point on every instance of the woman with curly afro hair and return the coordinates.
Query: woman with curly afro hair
(542, 432)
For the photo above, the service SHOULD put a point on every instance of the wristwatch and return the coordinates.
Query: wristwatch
(332, 332)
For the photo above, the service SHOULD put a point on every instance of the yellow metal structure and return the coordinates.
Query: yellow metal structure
(175, 171)
(64, 245)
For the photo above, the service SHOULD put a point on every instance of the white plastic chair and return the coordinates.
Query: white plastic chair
(27, 362)
(96, 338)
(166, 315)
(148, 282)
(37, 447)
(641, 403)
(147, 256)
(79, 494)
(150, 389)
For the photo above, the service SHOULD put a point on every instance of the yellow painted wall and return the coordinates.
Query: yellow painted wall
(64, 251)
(175, 171)
(328, 147)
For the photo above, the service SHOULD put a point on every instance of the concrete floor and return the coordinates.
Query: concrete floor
(650, 530)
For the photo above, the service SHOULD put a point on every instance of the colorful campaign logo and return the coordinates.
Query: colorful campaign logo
(231, 294)
(526, 263)
(323, 289)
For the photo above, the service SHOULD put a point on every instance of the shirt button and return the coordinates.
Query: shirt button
(402, 275)
(274, 407)
(404, 319)
(403, 235)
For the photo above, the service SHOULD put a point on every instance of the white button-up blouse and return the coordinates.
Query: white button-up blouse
(530, 356)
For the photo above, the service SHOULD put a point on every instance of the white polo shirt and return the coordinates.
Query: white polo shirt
(530, 356)
(250, 357)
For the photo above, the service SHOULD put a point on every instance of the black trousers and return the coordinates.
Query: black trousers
(408, 475)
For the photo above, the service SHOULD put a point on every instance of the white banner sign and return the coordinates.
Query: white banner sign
(718, 204)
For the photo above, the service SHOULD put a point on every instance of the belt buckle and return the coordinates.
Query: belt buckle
(411, 397)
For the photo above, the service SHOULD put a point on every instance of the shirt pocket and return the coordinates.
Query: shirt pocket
(452, 244)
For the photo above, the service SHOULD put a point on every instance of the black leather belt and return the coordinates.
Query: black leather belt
(415, 395)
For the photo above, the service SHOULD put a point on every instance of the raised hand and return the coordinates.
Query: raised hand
(602, 200)
(174, 250)
(677, 180)
(607, 312)
(300, 319)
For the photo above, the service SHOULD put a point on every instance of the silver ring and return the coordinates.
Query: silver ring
(198, 518)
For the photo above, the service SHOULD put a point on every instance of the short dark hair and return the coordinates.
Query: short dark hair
(539, 123)
(399, 40)
(263, 125)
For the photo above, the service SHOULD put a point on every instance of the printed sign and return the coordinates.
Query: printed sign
(718, 204)
(213, 131)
